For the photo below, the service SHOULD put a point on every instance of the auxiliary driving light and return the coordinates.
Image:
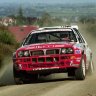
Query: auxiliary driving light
(67, 51)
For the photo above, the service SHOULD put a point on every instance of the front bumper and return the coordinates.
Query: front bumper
(37, 63)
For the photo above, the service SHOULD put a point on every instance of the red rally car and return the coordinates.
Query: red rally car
(52, 50)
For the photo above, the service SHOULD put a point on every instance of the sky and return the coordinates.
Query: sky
(48, 1)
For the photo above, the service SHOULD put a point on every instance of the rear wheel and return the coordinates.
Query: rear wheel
(80, 73)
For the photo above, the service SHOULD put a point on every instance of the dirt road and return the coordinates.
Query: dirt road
(53, 85)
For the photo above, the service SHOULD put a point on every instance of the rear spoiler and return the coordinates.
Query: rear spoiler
(59, 27)
(75, 27)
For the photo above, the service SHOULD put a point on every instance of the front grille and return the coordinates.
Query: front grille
(65, 57)
(45, 59)
(34, 60)
(41, 60)
(49, 59)
(37, 53)
(27, 60)
(45, 52)
(52, 51)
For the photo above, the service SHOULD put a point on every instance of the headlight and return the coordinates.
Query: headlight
(64, 51)
(26, 53)
(20, 53)
(67, 51)
(70, 50)
(23, 53)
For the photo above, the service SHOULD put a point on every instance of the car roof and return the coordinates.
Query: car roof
(55, 28)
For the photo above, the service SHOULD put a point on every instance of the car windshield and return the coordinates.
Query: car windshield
(45, 37)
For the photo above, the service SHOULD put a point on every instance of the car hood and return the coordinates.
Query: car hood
(47, 45)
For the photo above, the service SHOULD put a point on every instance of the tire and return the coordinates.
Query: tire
(80, 73)
(91, 68)
(71, 72)
(17, 75)
(23, 77)
(34, 77)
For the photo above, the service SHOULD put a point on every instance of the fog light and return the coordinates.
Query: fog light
(73, 57)
(20, 66)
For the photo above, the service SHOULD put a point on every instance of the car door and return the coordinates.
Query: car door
(87, 50)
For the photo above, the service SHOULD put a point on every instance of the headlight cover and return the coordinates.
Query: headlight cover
(20, 54)
(63, 50)
(26, 53)
(67, 51)
(23, 54)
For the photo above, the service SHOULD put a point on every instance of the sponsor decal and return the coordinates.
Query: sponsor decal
(59, 45)
(78, 60)
(35, 69)
(75, 65)
(77, 51)
(78, 46)
(46, 46)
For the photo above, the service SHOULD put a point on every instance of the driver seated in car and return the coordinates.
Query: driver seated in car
(65, 37)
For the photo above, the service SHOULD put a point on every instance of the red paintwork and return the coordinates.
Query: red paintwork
(46, 46)
(64, 60)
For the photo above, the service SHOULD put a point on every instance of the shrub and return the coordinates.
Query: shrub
(7, 38)
(8, 44)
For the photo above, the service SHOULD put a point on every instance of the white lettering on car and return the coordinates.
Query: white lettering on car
(35, 69)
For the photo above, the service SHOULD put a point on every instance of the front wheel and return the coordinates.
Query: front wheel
(23, 77)
(80, 73)
(17, 76)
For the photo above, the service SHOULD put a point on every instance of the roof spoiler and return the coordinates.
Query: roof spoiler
(75, 26)
(58, 27)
